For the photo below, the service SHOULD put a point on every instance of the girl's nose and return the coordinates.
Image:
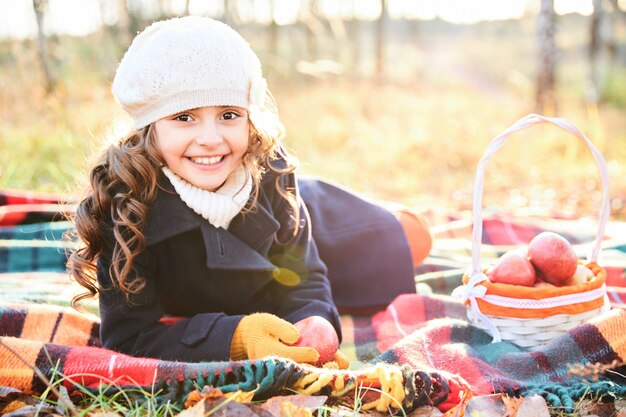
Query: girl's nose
(208, 134)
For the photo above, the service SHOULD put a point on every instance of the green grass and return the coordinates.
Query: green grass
(111, 398)
(415, 138)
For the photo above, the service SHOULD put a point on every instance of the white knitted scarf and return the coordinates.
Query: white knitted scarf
(220, 206)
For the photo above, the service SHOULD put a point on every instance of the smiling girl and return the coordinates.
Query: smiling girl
(196, 214)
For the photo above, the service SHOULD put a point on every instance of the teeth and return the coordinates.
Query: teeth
(207, 160)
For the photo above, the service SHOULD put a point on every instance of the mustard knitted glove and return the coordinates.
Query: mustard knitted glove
(263, 334)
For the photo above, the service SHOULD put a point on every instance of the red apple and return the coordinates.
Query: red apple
(318, 333)
(553, 257)
(513, 268)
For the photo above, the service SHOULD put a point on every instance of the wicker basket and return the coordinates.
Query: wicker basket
(531, 317)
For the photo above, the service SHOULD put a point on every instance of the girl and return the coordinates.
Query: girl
(197, 214)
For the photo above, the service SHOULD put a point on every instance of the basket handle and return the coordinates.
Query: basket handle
(495, 144)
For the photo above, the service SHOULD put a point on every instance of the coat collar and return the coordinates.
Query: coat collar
(243, 246)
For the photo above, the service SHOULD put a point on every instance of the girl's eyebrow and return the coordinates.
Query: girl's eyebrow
(183, 112)
(221, 108)
(237, 108)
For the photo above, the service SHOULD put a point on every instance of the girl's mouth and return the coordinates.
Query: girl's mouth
(207, 160)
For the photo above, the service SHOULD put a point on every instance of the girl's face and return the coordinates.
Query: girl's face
(204, 145)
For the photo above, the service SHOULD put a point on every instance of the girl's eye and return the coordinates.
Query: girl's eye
(230, 115)
(183, 118)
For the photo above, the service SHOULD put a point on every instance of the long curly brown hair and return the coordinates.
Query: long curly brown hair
(123, 183)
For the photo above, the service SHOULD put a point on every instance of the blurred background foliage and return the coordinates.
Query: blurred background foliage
(393, 106)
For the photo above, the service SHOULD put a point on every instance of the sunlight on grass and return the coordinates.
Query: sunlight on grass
(415, 139)
(110, 396)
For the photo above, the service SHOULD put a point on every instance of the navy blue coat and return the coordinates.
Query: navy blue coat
(214, 277)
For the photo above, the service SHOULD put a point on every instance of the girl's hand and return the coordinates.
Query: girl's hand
(263, 334)
(318, 333)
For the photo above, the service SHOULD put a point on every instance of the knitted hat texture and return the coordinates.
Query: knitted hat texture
(185, 63)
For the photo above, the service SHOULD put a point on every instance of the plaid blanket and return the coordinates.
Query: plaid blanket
(420, 350)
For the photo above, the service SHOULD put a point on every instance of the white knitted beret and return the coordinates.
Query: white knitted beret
(186, 63)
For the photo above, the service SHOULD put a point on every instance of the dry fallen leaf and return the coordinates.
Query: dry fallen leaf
(595, 408)
(219, 407)
(512, 404)
(534, 406)
(259, 410)
(310, 402)
(241, 396)
(427, 411)
(8, 394)
(15, 403)
(289, 409)
(486, 406)
(12, 399)
(34, 411)
(207, 392)
(196, 410)
(344, 411)
(212, 393)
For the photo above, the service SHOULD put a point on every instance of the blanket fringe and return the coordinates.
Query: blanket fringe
(381, 387)
(565, 396)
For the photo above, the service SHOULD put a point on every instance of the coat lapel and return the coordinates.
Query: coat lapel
(226, 251)
(243, 246)
(169, 216)
(256, 228)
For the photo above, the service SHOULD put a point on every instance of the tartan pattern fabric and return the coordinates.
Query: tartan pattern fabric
(416, 333)
(27, 207)
(10, 197)
(34, 247)
(423, 337)
(63, 343)
(412, 331)
(38, 231)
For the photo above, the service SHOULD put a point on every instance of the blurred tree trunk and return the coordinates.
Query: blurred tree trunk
(355, 32)
(314, 29)
(186, 12)
(273, 29)
(40, 10)
(595, 48)
(414, 30)
(311, 27)
(121, 30)
(133, 11)
(545, 102)
(163, 9)
(228, 18)
(619, 8)
(613, 18)
(339, 35)
(381, 24)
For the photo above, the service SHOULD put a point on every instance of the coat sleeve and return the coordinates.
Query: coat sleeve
(363, 245)
(133, 325)
(301, 272)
